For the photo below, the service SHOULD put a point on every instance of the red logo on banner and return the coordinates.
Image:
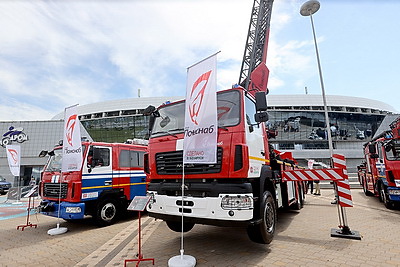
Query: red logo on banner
(14, 155)
(70, 128)
(197, 95)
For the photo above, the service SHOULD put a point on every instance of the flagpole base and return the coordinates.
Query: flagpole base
(182, 261)
(57, 231)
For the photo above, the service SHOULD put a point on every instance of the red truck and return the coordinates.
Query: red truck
(110, 177)
(379, 173)
(244, 187)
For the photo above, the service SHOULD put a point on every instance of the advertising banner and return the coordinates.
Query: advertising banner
(201, 125)
(72, 147)
(14, 158)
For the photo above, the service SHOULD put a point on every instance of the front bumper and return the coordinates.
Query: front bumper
(198, 210)
(64, 210)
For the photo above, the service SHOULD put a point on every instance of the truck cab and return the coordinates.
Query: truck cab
(241, 189)
(379, 174)
(110, 176)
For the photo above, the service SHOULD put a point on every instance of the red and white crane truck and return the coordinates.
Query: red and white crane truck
(379, 173)
(110, 177)
(244, 187)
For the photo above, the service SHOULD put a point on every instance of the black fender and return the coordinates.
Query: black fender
(263, 183)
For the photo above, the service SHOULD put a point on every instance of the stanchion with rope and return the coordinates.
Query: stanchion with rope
(344, 199)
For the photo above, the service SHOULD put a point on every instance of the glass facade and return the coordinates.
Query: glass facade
(306, 129)
(117, 129)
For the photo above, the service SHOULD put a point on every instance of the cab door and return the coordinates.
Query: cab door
(98, 172)
(130, 172)
(254, 140)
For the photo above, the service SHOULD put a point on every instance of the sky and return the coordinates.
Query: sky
(54, 54)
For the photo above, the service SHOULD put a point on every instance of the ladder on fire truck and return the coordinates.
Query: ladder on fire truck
(254, 72)
(254, 78)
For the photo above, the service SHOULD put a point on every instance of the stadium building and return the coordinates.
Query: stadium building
(298, 120)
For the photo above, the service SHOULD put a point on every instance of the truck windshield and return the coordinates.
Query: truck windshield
(393, 150)
(55, 161)
(54, 164)
(172, 117)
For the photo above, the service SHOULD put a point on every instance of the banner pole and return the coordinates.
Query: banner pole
(18, 191)
(182, 215)
(58, 230)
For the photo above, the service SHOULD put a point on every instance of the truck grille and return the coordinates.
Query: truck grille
(172, 162)
(53, 190)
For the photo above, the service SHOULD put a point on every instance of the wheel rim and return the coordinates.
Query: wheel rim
(108, 211)
(269, 217)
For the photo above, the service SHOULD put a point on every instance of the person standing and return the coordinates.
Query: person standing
(317, 189)
(310, 184)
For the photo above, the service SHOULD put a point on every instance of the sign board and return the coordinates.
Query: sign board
(139, 203)
(15, 193)
(32, 192)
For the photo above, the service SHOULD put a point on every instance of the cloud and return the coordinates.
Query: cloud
(56, 54)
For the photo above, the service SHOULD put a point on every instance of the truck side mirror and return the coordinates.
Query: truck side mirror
(372, 148)
(149, 110)
(43, 153)
(261, 107)
(153, 113)
(261, 101)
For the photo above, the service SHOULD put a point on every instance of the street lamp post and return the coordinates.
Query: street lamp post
(308, 9)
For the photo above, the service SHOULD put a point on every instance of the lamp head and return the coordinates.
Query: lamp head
(309, 8)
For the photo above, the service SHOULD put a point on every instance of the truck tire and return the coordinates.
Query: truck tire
(263, 232)
(177, 226)
(300, 201)
(106, 212)
(365, 186)
(385, 197)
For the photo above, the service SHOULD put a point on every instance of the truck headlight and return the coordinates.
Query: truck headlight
(73, 210)
(236, 202)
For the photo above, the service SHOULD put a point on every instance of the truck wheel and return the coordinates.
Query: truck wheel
(385, 197)
(365, 186)
(106, 212)
(263, 232)
(177, 226)
(300, 201)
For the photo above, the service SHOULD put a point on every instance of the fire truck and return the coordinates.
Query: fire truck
(111, 175)
(244, 187)
(379, 173)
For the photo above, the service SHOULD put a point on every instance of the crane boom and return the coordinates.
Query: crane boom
(254, 72)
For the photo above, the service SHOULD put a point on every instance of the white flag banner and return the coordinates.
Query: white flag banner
(201, 125)
(14, 158)
(72, 147)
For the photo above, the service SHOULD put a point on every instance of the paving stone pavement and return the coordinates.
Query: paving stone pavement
(302, 239)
